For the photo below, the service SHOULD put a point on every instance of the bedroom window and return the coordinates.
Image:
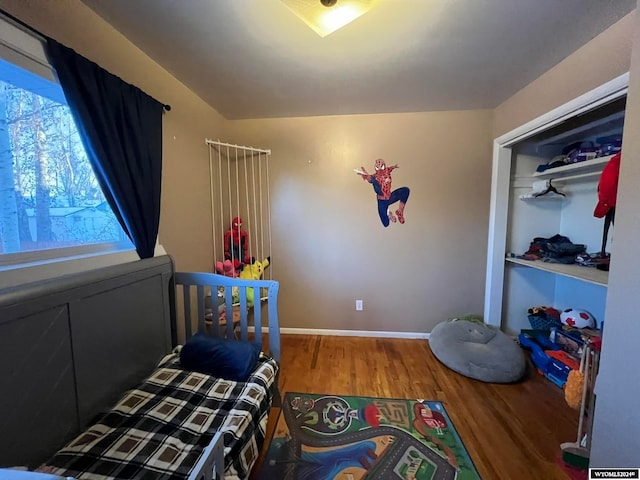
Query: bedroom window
(51, 205)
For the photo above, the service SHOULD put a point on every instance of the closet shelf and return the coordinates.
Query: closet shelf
(586, 274)
(610, 124)
(588, 166)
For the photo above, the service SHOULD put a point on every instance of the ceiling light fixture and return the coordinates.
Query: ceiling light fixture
(327, 16)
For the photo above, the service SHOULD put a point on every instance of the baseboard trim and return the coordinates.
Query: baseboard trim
(352, 333)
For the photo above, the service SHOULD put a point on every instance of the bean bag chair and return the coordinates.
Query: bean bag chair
(478, 351)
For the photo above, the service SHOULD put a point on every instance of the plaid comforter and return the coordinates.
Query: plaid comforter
(159, 430)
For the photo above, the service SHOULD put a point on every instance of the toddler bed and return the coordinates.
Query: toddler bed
(202, 411)
(162, 428)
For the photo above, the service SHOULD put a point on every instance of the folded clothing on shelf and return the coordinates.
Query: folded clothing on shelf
(584, 150)
(555, 249)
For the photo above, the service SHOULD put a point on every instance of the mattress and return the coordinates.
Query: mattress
(160, 429)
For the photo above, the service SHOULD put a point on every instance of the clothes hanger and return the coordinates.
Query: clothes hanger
(550, 189)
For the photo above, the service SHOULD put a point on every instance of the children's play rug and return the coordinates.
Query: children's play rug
(327, 437)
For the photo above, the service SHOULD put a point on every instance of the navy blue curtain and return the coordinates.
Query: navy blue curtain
(121, 130)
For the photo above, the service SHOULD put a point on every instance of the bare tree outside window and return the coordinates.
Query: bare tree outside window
(49, 196)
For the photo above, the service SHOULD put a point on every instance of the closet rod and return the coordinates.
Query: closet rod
(222, 144)
(575, 177)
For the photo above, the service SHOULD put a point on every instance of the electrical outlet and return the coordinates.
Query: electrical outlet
(359, 305)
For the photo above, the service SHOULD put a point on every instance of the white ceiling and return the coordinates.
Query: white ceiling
(255, 58)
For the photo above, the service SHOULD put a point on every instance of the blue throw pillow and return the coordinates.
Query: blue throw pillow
(220, 357)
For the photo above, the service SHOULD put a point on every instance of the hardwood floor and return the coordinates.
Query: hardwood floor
(510, 431)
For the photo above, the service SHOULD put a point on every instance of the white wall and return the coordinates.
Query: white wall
(616, 432)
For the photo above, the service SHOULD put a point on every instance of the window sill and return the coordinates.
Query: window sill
(13, 275)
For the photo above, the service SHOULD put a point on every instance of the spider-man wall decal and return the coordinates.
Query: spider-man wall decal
(381, 181)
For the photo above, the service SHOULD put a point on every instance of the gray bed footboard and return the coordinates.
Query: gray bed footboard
(71, 346)
(213, 455)
(74, 345)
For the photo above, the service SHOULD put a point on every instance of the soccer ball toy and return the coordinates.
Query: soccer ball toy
(575, 317)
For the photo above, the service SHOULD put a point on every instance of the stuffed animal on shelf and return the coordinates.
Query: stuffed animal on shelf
(227, 269)
(254, 271)
(236, 244)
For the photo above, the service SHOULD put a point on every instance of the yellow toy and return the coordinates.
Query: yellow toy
(253, 271)
(573, 389)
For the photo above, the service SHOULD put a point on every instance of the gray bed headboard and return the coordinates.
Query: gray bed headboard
(72, 346)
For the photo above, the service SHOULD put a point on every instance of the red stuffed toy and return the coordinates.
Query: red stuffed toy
(236, 243)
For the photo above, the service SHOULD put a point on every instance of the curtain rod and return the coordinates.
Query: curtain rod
(43, 38)
(24, 26)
